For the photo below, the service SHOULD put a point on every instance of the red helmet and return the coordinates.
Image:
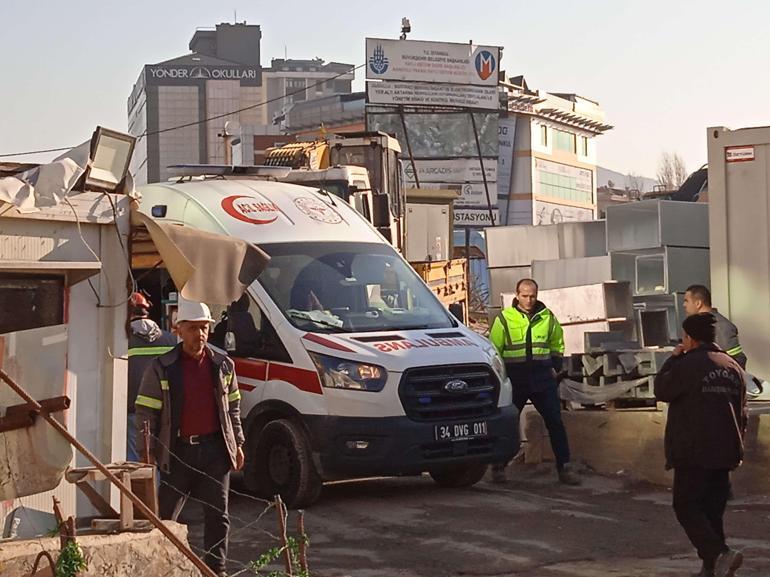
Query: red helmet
(140, 301)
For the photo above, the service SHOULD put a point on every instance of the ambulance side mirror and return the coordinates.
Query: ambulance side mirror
(230, 344)
(381, 216)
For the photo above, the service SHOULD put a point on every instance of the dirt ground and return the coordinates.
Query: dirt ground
(529, 527)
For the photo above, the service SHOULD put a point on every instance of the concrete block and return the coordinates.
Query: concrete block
(631, 441)
(538, 447)
(649, 362)
(612, 366)
(595, 341)
(629, 362)
(574, 365)
(618, 346)
(120, 555)
(592, 365)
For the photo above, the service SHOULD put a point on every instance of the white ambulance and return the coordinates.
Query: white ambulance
(348, 365)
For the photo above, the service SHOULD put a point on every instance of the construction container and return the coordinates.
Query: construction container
(655, 224)
(601, 307)
(738, 194)
(509, 246)
(554, 274)
(664, 270)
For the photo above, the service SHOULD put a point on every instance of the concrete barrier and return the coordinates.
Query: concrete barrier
(630, 442)
(120, 555)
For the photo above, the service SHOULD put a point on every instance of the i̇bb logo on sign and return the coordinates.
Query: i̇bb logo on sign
(251, 210)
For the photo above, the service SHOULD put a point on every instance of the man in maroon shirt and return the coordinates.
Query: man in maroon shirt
(191, 400)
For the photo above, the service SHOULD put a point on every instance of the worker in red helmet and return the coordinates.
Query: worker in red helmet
(146, 340)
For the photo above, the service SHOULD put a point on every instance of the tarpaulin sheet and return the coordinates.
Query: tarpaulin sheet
(47, 184)
(205, 267)
(585, 394)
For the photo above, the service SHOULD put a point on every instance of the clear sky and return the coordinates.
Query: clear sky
(662, 70)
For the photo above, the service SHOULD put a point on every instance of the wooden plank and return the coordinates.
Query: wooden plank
(126, 507)
(97, 500)
(147, 491)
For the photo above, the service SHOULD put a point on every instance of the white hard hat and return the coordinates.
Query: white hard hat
(193, 311)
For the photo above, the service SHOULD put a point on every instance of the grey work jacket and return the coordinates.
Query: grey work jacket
(727, 338)
(161, 397)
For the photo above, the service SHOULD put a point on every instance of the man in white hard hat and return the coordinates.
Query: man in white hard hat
(191, 400)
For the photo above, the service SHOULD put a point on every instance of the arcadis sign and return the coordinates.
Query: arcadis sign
(184, 74)
(418, 61)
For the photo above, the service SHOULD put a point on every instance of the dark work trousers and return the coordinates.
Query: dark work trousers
(700, 497)
(548, 404)
(201, 472)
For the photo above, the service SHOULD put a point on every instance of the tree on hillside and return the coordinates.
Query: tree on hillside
(671, 171)
(635, 184)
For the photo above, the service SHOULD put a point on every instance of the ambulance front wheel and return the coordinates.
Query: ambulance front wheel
(280, 463)
(455, 476)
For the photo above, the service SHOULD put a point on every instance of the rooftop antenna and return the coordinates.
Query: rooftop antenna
(235, 16)
(285, 52)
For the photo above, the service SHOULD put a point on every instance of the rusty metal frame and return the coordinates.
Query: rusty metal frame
(124, 490)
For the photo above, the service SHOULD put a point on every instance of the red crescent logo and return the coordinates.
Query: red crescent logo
(268, 211)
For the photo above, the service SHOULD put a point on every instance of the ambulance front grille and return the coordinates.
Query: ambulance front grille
(425, 395)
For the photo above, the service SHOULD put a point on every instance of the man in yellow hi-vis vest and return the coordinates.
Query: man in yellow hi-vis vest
(531, 341)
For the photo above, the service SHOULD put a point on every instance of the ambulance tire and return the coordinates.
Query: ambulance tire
(459, 475)
(281, 463)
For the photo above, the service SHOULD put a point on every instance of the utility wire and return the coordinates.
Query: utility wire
(205, 120)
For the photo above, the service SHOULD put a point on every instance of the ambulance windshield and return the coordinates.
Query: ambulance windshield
(349, 287)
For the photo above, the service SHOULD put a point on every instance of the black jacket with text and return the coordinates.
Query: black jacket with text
(707, 415)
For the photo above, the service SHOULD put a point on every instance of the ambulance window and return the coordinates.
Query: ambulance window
(254, 335)
(349, 287)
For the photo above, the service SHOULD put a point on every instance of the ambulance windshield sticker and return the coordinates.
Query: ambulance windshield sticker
(317, 210)
(251, 210)
(406, 344)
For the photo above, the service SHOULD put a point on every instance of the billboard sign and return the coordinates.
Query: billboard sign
(185, 74)
(472, 194)
(556, 180)
(444, 135)
(432, 94)
(551, 213)
(506, 132)
(450, 171)
(474, 217)
(419, 61)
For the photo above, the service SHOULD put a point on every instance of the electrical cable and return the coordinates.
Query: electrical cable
(203, 121)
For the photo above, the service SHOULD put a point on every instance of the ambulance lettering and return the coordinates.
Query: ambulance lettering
(251, 210)
(405, 344)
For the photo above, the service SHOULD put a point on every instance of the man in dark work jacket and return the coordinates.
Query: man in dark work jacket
(707, 419)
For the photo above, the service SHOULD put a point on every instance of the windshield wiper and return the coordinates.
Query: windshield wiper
(303, 316)
(328, 195)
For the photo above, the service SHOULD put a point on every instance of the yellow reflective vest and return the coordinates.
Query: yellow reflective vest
(534, 343)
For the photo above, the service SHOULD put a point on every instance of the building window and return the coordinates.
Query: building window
(543, 135)
(342, 86)
(293, 85)
(37, 301)
(564, 141)
(584, 145)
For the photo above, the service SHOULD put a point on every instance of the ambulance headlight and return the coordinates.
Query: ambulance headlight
(498, 366)
(344, 374)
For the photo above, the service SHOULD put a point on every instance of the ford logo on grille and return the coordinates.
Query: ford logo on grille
(456, 386)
